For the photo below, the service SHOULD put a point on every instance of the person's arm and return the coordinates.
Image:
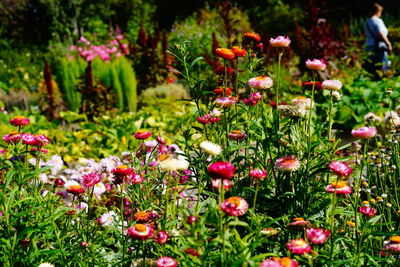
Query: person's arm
(386, 40)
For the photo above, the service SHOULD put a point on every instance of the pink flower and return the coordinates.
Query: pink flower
(19, 121)
(161, 237)
(221, 170)
(299, 224)
(191, 219)
(216, 183)
(340, 168)
(91, 179)
(41, 140)
(367, 211)
(261, 82)
(339, 188)
(136, 178)
(28, 139)
(287, 164)
(393, 245)
(225, 102)
(141, 232)
(258, 174)
(142, 134)
(332, 85)
(121, 173)
(317, 235)
(364, 132)
(12, 138)
(280, 41)
(298, 246)
(315, 64)
(237, 135)
(235, 206)
(279, 262)
(166, 262)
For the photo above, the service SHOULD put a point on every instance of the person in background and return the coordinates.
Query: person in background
(377, 44)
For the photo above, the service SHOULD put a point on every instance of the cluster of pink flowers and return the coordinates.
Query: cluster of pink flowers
(89, 51)
(37, 140)
(253, 99)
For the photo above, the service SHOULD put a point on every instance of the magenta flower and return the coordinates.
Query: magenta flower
(161, 237)
(261, 82)
(367, 211)
(317, 235)
(333, 85)
(142, 134)
(364, 132)
(393, 245)
(12, 138)
(91, 179)
(235, 206)
(166, 262)
(280, 41)
(141, 232)
(339, 188)
(135, 178)
(19, 121)
(298, 246)
(258, 174)
(216, 183)
(287, 164)
(315, 64)
(28, 139)
(340, 168)
(221, 170)
(41, 140)
(279, 262)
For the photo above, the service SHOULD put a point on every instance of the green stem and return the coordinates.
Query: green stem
(122, 223)
(330, 116)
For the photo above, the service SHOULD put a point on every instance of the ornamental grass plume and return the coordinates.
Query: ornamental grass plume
(235, 206)
(340, 168)
(280, 41)
(261, 82)
(298, 246)
(393, 245)
(339, 188)
(364, 132)
(317, 235)
(166, 262)
(19, 121)
(210, 148)
(316, 64)
(141, 232)
(221, 170)
(332, 85)
(287, 164)
(225, 53)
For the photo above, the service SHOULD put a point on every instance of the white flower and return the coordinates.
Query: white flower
(392, 117)
(216, 113)
(107, 218)
(305, 102)
(210, 148)
(57, 164)
(336, 95)
(99, 189)
(370, 116)
(331, 85)
(46, 264)
(292, 110)
(69, 183)
(174, 165)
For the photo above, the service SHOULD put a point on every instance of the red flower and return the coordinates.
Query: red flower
(252, 36)
(225, 53)
(142, 134)
(221, 170)
(220, 91)
(75, 189)
(238, 51)
(309, 85)
(19, 121)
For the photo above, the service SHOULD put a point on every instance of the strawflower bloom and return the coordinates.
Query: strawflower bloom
(261, 82)
(210, 148)
(367, 211)
(225, 53)
(235, 206)
(237, 135)
(315, 64)
(166, 262)
(364, 132)
(28, 139)
(370, 116)
(142, 134)
(74, 188)
(238, 51)
(192, 251)
(299, 224)
(225, 102)
(295, 111)
(221, 170)
(161, 237)
(216, 183)
(298, 246)
(339, 188)
(220, 91)
(309, 86)
(303, 101)
(279, 262)
(12, 138)
(141, 216)
(91, 179)
(287, 164)
(251, 36)
(393, 245)
(140, 231)
(191, 219)
(317, 235)
(19, 121)
(280, 41)
(331, 85)
(174, 165)
(46, 264)
(258, 174)
(41, 140)
(136, 178)
(340, 168)
(120, 173)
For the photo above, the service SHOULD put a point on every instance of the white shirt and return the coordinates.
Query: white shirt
(373, 26)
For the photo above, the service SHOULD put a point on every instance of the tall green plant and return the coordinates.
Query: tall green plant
(128, 82)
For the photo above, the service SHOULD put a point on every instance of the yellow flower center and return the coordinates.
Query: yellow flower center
(338, 184)
(299, 243)
(141, 215)
(234, 200)
(395, 239)
(19, 117)
(351, 224)
(288, 160)
(261, 78)
(365, 202)
(285, 261)
(298, 219)
(140, 228)
(74, 186)
(237, 131)
(163, 157)
(141, 131)
(122, 167)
